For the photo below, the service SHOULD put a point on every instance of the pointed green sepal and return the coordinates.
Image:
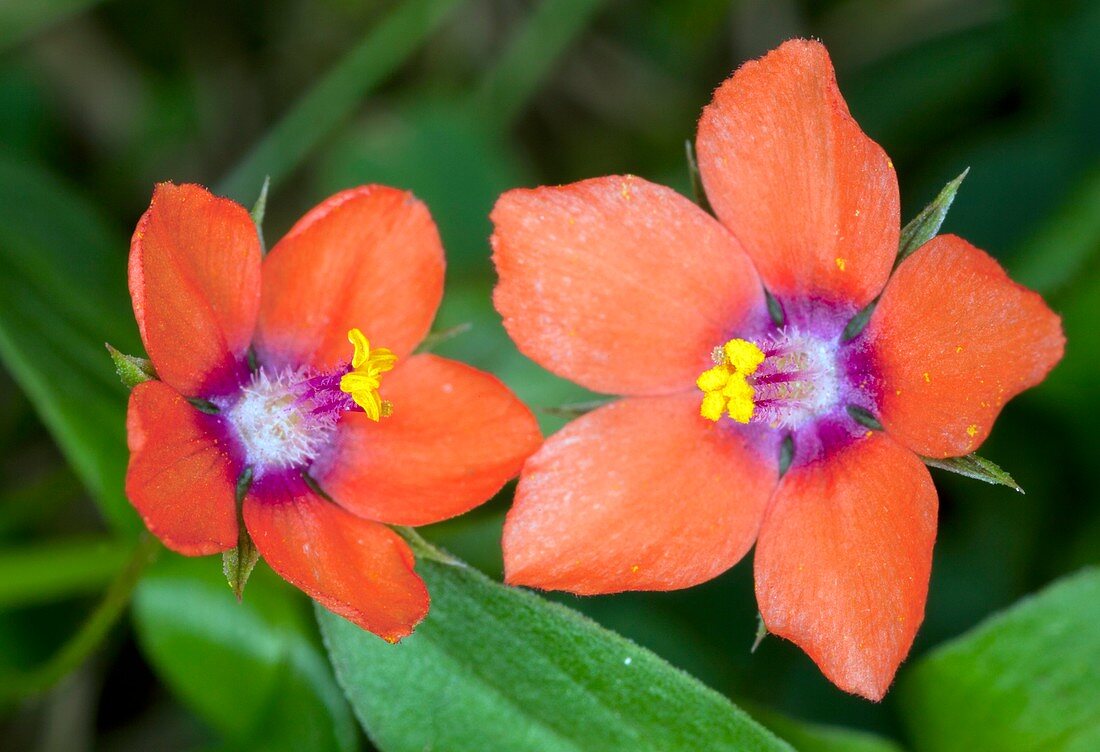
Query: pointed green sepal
(697, 189)
(858, 323)
(775, 309)
(573, 409)
(978, 468)
(238, 563)
(130, 369)
(258, 210)
(786, 455)
(925, 225)
(437, 338)
(761, 633)
(864, 417)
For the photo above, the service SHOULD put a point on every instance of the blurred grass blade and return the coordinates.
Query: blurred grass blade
(498, 669)
(1025, 680)
(37, 499)
(334, 98)
(253, 670)
(925, 225)
(978, 468)
(21, 19)
(1067, 242)
(529, 57)
(74, 652)
(65, 293)
(55, 570)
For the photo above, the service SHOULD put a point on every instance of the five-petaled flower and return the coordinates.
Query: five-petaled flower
(628, 288)
(257, 380)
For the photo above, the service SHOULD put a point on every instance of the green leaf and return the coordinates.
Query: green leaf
(131, 370)
(334, 98)
(253, 670)
(496, 668)
(1026, 680)
(814, 737)
(925, 225)
(978, 468)
(64, 278)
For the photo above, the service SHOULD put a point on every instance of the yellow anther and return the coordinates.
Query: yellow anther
(841, 263)
(714, 379)
(363, 381)
(726, 390)
(714, 404)
(744, 356)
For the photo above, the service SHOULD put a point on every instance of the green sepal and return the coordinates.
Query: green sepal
(258, 211)
(131, 370)
(574, 409)
(437, 338)
(858, 322)
(925, 225)
(761, 633)
(775, 309)
(864, 417)
(978, 468)
(786, 454)
(203, 406)
(238, 563)
(697, 190)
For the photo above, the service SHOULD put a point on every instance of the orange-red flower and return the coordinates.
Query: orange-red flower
(337, 437)
(627, 288)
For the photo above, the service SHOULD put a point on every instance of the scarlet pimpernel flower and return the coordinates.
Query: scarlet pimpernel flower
(747, 419)
(289, 405)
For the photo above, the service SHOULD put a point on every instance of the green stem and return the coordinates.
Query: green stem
(528, 58)
(334, 98)
(425, 550)
(81, 645)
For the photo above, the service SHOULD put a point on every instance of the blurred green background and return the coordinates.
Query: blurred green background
(459, 100)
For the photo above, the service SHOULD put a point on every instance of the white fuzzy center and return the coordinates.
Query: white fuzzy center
(275, 426)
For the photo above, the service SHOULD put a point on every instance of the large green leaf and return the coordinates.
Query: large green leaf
(815, 737)
(1027, 680)
(252, 670)
(64, 275)
(496, 668)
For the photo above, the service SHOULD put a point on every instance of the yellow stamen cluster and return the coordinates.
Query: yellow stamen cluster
(365, 376)
(726, 389)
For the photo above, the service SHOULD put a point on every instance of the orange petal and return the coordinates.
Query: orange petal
(455, 437)
(812, 199)
(642, 494)
(843, 561)
(195, 285)
(954, 339)
(180, 478)
(358, 569)
(618, 284)
(369, 257)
